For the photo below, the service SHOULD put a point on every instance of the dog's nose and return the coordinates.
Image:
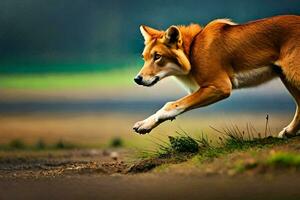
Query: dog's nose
(138, 79)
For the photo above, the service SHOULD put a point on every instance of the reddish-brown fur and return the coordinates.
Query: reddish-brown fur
(221, 54)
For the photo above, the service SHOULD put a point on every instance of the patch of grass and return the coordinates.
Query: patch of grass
(236, 139)
(63, 145)
(233, 140)
(116, 142)
(284, 159)
(182, 146)
(40, 145)
(211, 153)
(246, 164)
(233, 144)
(162, 168)
(239, 167)
(17, 144)
(178, 148)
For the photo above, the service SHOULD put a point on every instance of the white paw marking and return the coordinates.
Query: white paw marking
(160, 116)
(285, 133)
(145, 126)
(282, 134)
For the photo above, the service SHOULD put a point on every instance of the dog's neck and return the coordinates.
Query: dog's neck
(189, 34)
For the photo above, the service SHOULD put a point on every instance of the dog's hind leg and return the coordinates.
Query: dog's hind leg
(294, 126)
(290, 76)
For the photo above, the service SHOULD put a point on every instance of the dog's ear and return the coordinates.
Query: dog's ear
(173, 36)
(149, 33)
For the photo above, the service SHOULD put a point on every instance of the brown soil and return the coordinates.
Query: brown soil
(152, 186)
(112, 174)
(62, 163)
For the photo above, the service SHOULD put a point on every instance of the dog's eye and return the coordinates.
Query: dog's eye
(156, 56)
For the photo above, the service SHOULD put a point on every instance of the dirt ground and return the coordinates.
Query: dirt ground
(149, 186)
(109, 174)
(56, 163)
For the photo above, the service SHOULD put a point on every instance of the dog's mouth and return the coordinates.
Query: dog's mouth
(152, 82)
(141, 81)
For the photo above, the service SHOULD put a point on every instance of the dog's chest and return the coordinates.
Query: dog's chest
(188, 83)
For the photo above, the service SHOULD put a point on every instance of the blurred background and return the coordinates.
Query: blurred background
(66, 71)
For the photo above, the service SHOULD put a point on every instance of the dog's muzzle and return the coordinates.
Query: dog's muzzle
(140, 81)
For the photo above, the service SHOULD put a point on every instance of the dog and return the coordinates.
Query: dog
(212, 61)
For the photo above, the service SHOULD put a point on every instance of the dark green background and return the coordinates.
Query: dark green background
(41, 36)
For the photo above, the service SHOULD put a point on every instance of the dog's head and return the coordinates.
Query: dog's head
(163, 55)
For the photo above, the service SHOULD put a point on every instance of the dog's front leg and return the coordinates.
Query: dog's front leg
(204, 96)
(165, 113)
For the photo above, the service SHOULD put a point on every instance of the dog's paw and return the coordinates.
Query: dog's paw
(286, 134)
(282, 134)
(145, 126)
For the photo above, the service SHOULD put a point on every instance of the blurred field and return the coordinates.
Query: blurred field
(66, 81)
(56, 129)
(89, 109)
(97, 129)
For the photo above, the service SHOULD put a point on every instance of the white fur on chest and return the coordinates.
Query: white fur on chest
(188, 83)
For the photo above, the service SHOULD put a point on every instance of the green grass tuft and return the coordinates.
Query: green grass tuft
(116, 142)
(63, 145)
(176, 148)
(17, 144)
(245, 164)
(232, 139)
(183, 144)
(233, 144)
(284, 159)
(182, 147)
(40, 145)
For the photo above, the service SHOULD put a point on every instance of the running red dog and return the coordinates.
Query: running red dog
(213, 60)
